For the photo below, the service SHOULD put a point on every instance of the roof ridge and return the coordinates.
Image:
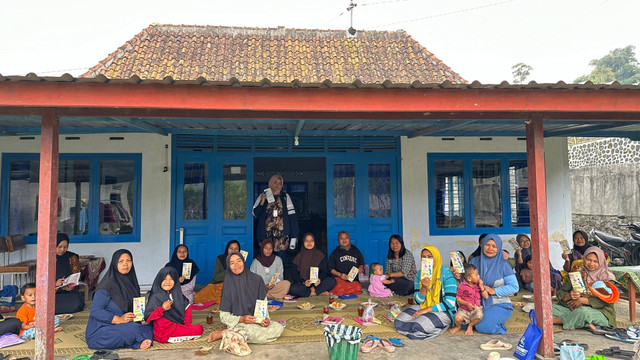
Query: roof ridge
(227, 27)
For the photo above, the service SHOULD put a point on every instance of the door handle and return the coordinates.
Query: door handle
(181, 235)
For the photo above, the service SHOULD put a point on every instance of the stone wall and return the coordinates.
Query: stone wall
(605, 183)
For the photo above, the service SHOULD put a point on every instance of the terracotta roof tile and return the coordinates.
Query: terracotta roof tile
(277, 54)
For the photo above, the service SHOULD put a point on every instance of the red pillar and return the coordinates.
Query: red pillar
(540, 246)
(47, 228)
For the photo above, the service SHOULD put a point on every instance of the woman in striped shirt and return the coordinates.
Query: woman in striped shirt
(435, 298)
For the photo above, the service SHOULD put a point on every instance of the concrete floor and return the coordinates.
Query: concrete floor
(441, 348)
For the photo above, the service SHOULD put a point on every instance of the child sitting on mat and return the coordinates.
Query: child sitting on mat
(468, 299)
(526, 274)
(377, 282)
(27, 313)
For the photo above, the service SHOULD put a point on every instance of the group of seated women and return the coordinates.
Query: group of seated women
(167, 317)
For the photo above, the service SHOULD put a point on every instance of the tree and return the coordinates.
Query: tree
(520, 72)
(619, 65)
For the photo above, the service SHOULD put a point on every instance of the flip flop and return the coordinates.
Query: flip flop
(617, 337)
(396, 342)
(369, 345)
(573, 342)
(386, 345)
(601, 330)
(495, 344)
(615, 352)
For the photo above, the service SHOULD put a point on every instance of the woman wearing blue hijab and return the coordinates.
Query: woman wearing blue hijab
(500, 280)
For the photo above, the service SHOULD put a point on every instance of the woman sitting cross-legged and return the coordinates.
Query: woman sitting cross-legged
(239, 294)
(576, 310)
(309, 257)
(401, 267)
(169, 310)
(268, 265)
(110, 324)
(68, 299)
(436, 298)
(213, 290)
(179, 258)
(344, 258)
(500, 281)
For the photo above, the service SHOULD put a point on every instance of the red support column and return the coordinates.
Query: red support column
(47, 228)
(539, 246)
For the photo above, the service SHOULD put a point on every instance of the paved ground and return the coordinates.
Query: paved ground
(442, 348)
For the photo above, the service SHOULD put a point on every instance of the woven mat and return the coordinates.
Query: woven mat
(299, 326)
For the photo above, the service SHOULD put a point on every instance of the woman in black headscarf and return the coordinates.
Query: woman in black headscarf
(111, 316)
(580, 245)
(169, 311)
(179, 258)
(68, 299)
(241, 290)
(213, 290)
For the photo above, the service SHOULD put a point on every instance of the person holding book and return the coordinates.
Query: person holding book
(401, 267)
(500, 281)
(345, 263)
(269, 267)
(213, 290)
(580, 245)
(582, 308)
(309, 260)
(187, 268)
(277, 219)
(241, 290)
(378, 282)
(68, 298)
(435, 297)
(169, 310)
(111, 320)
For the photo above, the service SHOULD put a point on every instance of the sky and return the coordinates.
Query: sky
(479, 39)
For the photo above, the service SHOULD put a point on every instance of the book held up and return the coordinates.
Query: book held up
(261, 311)
(577, 282)
(564, 244)
(456, 260)
(426, 268)
(352, 273)
(313, 274)
(186, 270)
(138, 308)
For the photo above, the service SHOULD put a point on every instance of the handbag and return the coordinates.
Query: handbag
(528, 344)
(571, 351)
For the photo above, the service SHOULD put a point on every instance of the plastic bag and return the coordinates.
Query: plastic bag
(570, 351)
(8, 295)
(368, 313)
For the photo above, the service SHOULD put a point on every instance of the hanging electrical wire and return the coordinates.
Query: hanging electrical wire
(383, 2)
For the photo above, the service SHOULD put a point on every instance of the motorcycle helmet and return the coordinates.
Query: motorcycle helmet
(605, 291)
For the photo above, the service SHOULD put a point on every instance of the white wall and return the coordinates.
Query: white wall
(153, 251)
(415, 198)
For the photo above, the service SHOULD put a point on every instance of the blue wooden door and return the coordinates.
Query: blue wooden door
(362, 198)
(211, 206)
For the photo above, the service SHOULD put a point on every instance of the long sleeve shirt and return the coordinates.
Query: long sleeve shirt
(267, 272)
(448, 295)
(406, 265)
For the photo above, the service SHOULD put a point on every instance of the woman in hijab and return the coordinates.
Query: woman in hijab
(169, 310)
(68, 299)
(500, 281)
(269, 267)
(277, 219)
(435, 298)
(401, 267)
(179, 258)
(520, 255)
(580, 245)
(585, 310)
(213, 290)
(111, 316)
(308, 257)
(241, 290)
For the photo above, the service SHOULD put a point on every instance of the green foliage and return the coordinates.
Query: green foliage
(520, 72)
(619, 65)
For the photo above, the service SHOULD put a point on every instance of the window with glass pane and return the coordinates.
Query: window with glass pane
(487, 205)
(72, 202)
(234, 191)
(449, 193)
(379, 190)
(519, 192)
(116, 197)
(195, 191)
(344, 191)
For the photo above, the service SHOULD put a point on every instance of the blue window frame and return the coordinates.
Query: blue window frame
(475, 193)
(98, 196)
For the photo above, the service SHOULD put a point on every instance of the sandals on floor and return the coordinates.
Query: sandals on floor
(615, 352)
(386, 345)
(369, 344)
(601, 330)
(573, 342)
(619, 337)
(396, 342)
(495, 344)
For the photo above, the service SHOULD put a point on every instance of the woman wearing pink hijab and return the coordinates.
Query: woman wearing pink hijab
(585, 310)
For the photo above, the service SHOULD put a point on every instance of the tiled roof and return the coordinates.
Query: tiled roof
(280, 55)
